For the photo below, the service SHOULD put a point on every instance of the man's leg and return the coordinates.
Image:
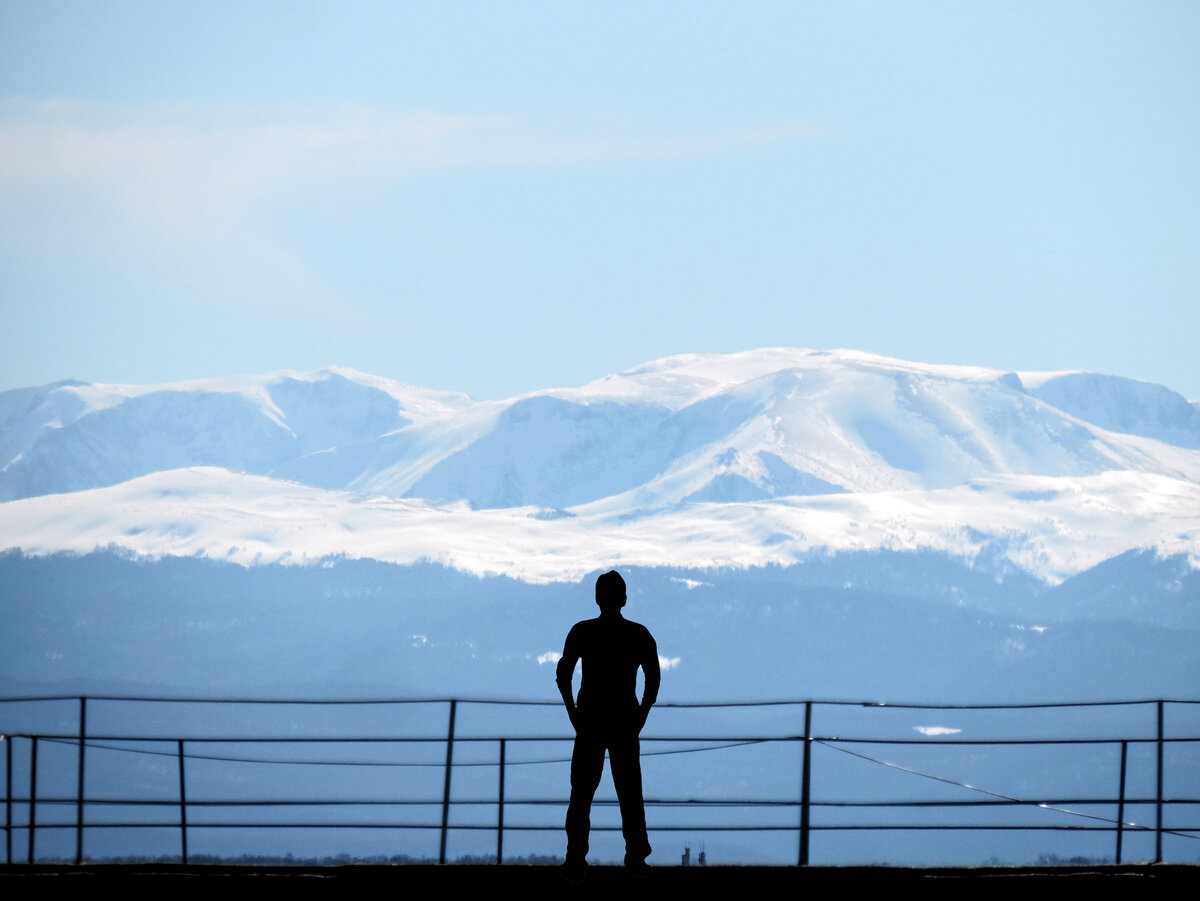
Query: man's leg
(587, 766)
(624, 758)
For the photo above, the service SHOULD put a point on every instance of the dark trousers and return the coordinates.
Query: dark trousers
(587, 766)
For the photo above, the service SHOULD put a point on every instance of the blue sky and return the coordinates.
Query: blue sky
(499, 197)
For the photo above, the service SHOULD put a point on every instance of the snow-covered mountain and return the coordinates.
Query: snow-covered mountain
(745, 426)
(71, 436)
(767, 456)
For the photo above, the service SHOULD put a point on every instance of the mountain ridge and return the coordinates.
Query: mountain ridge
(828, 420)
(768, 456)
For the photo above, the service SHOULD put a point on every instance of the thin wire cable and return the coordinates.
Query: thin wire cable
(384, 763)
(996, 794)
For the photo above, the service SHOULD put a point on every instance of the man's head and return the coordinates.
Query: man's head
(610, 591)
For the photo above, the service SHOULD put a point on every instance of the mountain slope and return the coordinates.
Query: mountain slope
(695, 428)
(71, 436)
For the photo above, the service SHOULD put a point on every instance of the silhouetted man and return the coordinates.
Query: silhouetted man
(607, 716)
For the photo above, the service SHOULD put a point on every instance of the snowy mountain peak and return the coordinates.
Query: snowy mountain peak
(682, 379)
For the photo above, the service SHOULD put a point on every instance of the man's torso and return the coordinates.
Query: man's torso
(611, 652)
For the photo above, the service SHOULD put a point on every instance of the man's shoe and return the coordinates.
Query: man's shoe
(573, 871)
(638, 869)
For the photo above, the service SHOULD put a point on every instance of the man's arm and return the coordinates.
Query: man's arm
(652, 675)
(563, 673)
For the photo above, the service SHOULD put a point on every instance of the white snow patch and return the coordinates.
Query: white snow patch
(1035, 380)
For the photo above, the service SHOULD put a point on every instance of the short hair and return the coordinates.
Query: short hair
(610, 590)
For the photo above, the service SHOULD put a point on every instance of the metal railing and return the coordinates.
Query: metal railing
(188, 747)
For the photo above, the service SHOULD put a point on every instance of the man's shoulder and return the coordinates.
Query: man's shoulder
(638, 629)
(588, 630)
(581, 630)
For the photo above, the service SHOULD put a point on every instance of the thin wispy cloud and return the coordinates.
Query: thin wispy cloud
(201, 184)
(189, 168)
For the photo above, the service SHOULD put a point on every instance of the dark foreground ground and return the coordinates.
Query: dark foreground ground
(678, 881)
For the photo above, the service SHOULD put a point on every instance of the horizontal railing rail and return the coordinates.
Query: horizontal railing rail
(192, 813)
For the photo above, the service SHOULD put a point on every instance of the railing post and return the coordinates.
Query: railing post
(500, 822)
(1121, 801)
(33, 743)
(446, 789)
(1158, 829)
(8, 756)
(79, 782)
(805, 778)
(182, 807)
